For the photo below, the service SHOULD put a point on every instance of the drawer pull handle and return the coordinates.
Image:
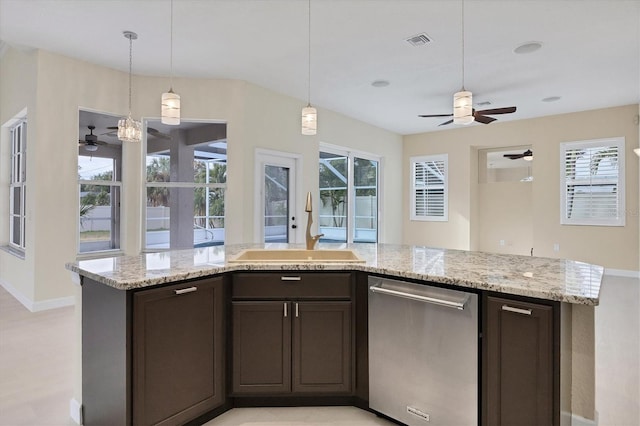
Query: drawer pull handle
(516, 310)
(186, 290)
(290, 278)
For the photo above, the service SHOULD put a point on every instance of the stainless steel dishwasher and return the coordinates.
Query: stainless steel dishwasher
(423, 353)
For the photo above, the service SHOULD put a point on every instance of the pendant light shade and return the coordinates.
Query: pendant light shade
(170, 105)
(170, 108)
(129, 130)
(309, 120)
(309, 113)
(463, 107)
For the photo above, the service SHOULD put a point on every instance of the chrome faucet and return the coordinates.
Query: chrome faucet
(311, 240)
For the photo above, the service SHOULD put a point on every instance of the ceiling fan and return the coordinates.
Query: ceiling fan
(150, 130)
(527, 156)
(479, 116)
(91, 141)
(463, 111)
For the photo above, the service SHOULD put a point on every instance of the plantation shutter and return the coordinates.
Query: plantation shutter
(593, 177)
(429, 188)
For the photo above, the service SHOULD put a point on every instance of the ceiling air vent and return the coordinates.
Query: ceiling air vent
(419, 39)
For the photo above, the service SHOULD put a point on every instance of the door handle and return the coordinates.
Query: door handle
(294, 226)
(285, 309)
(186, 290)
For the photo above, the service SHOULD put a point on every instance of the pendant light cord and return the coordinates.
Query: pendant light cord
(130, 62)
(171, 50)
(463, 45)
(309, 64)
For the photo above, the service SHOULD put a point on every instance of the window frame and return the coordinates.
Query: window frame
(115, 182)
(414, 188)
(351, 155)
(18, 179)
(619, 220)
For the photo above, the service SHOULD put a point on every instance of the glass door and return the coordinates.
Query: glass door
(277, 199)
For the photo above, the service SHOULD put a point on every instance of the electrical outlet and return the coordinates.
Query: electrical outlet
(556, 247)
(501, 242)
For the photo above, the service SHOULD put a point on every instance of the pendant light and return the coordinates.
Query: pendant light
(463, 100)
(129, 130)
(171, 101)
(309, 113)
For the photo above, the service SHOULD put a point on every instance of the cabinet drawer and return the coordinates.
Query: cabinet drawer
(292, 285)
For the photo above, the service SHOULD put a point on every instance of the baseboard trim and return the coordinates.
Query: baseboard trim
(42, 305)
(622, 273)
(581, 421)
(75, 411)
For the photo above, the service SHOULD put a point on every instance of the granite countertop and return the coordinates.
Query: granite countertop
(545, 278)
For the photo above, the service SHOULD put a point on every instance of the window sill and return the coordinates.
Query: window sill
(13, 251)
(99, 254)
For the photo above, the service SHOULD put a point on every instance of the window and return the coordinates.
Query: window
(348, 210)
(99, 183)
(186, 174)
(429, 192)
(592, 174)
(18, 185)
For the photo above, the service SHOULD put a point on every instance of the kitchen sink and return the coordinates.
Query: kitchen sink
(295, 256)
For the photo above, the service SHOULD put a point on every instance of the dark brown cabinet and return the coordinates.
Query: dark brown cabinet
(302, 346)
(520, 363)
(178, 351)
(261, 347)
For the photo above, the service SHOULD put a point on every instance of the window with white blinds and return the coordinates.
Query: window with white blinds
(592, 174)
(429, 192)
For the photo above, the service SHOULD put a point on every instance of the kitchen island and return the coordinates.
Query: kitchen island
(132, 336)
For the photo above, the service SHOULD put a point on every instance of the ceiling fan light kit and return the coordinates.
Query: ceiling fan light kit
(463, 107)
(170, 104)
(129, 130)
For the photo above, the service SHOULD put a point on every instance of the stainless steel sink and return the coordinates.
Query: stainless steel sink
(296, 256)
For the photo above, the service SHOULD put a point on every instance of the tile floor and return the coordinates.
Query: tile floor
(36, 369)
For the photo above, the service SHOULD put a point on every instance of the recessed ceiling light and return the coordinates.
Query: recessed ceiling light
(528, 47)
(380, 83)
(552, 99)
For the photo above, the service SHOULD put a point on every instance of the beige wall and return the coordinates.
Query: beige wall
(18, 87)
(470, 228)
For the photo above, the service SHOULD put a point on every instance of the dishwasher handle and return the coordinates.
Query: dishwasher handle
(426, 299)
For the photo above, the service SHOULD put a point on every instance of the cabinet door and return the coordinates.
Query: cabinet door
(177, 352)
(261, 347)
(322, 347)
(518, 361)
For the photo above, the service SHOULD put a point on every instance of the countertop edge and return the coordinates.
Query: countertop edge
(175, 277)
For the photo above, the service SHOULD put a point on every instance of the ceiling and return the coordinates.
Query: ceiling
(590, 51)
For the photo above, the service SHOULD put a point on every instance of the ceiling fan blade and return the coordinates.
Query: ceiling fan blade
(482, 119)
(157, 133)
(445, 123)
(494, 111)
(435, 115)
